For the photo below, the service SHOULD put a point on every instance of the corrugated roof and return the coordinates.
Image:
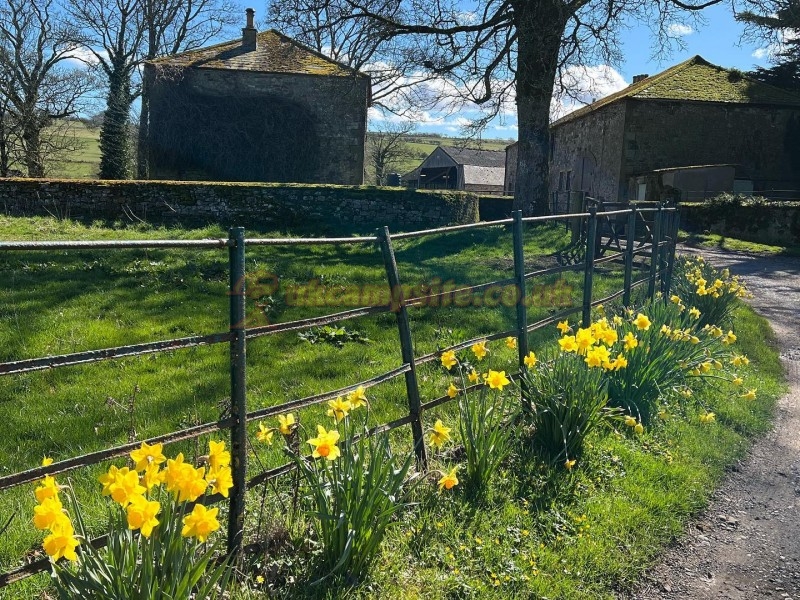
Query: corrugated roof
(474, 175)
(480, 158)
(695, 80)
(274, 53)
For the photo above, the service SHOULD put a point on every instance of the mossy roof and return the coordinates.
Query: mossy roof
(274, 53)
(695, 80)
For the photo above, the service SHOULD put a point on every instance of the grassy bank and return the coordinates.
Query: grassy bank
(537, 535)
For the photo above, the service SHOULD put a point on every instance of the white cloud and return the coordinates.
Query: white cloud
(679, 30)
(761, 53)
(584, 85)
(84, 56)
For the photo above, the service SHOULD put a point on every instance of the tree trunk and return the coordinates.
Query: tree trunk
(114, 142)
(539, 42)
(32, 145)
(142, 147)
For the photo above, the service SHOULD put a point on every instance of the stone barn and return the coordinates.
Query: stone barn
(261, 108)
(694, 114)
(450, 168)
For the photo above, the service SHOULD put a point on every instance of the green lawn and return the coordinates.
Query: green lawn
(529, 541)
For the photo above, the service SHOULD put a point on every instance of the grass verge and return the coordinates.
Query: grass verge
(721, 242)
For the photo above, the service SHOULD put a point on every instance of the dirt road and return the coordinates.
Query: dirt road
(747, 544)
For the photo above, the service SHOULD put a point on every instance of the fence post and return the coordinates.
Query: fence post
(651, 285)
(588, 271)
(631, 231)
(238, 356)
(674, 226)
(406, 344)
(519, 275)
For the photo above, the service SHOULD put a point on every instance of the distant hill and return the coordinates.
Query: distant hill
(85, 163)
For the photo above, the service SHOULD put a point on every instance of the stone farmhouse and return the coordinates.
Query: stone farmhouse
(261, 108)
(450, 168)
(690, 132)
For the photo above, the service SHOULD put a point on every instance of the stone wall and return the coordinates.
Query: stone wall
(588, 150)
(229, 125)
(775, 225)
(764, 141)
(260, 206)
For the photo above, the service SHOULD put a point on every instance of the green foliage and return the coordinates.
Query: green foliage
(336, 336)
(352, 501)
(484, 424)
(564, 401)
(134, 567)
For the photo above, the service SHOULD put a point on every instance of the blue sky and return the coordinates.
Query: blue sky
(718, 40)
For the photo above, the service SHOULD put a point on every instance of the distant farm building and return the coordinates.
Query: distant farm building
(449, 168)
(689, 133)
(262, 108)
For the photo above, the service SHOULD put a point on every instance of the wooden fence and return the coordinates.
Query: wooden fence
(647, 231)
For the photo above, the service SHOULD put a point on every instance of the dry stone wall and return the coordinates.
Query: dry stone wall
(260, 206)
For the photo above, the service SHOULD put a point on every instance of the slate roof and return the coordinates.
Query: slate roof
(478, 158)
(695, 80)
(274, 53)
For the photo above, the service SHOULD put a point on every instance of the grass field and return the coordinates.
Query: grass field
(85, 163)
(529, 540)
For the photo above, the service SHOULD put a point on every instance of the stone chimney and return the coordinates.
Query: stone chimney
(249, 39)
(638, 78)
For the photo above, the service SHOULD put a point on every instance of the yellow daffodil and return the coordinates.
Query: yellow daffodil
(694, 312)
(61, 542)
(630, 421)
(47, 513)
(619, 363)
(686, 392)
(357, 398)
(452, 391)
(473, 376)
(705, 367)
(530, 360)
(124, 486)
(440, 434)
(630, 341)
(185, 481)
(264, 434)
(48, 488)
(597, 356)
(338, 408)
(694, 339)
(449, 481)
(286, 424)
(141, 514)
(584, 340)
(220, 480)
(638, 428)
(47, 461)
(675, 299)
(511, 342)
(151, 477)
(449, 359)
(642, 322)
(569, 464)
(325, 444)
(737, 380)
(497, 380)
(147, 455)
(708, 417)
(730, 338)
(564, 327)
(479, 349)
(749, 395)
(217, 455)
(568, 343)
(617, 320)
(201, 523)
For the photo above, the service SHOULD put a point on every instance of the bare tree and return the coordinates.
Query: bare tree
(502, 53)
(38, 90)
(387, 147)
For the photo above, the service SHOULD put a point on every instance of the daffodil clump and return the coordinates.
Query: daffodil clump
(485, 408)
(352, 483)
(711, 293)
(158, 530)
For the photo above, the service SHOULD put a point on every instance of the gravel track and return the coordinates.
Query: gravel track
(746, 545)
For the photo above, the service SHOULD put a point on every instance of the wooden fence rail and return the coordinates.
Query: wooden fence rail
(659, 245)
